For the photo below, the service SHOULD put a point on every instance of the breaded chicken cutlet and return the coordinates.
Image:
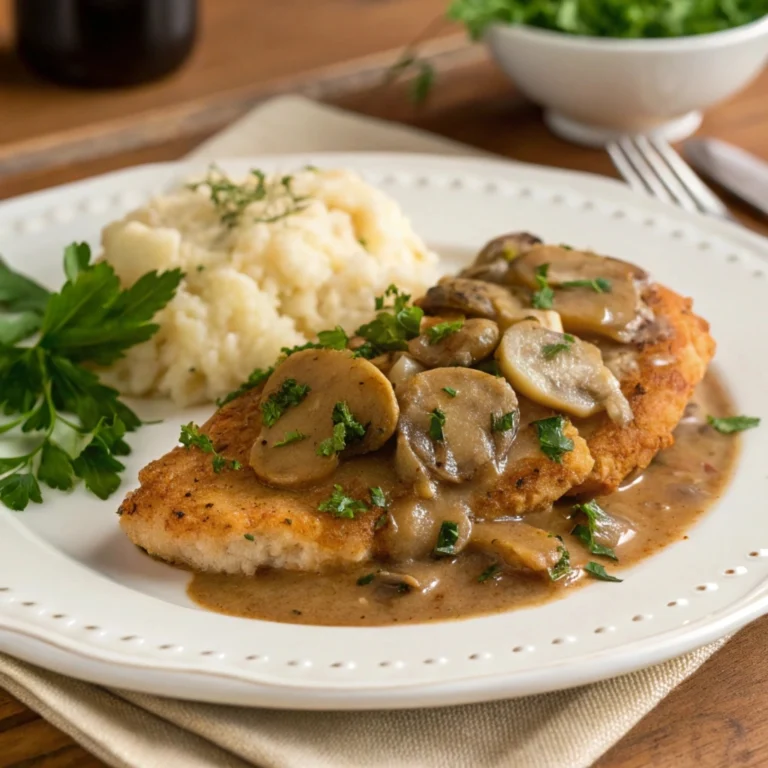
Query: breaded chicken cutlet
(537, 373)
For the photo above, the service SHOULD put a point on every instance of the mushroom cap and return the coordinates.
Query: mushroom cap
(474, 341)
(468, 440)
(334, 376)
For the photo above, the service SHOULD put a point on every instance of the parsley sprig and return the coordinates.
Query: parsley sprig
(341, 505)
(562, 567)
(597, 518)
(346, 429)
(731, 424)
(552, 439)
(394, 325)
(447, 538)
(544, 295)
(440, 331)
(46, 388)
(192, 437)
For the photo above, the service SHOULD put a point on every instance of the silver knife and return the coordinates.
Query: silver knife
(741, 173)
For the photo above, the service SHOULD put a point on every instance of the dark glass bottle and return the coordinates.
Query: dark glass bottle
(104, 43)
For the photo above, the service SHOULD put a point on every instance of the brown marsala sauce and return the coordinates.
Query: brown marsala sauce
(659, 504)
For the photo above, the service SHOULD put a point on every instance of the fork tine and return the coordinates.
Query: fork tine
(645, 170)
(625, 169)
(665, 174)
(704, 197)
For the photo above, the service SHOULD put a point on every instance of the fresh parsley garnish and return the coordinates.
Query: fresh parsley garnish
(256, 379)
(367, 579)
(552, 439)
(598, 285)
(596, 519)
(290, 394)
(549, 351)
(381, 521)
(49, 390)
(440, 331)
(447, 537)
(341, 505)
(504, 423)
(378, 499)
(333, 339)
(294, 436)
(731, 424)
(423, 73)
(543, 296)
(231, 200)
(192, 437)
(598, 571)
(562, 567)
(491, 572)
(450, 391)
(436, 424)
(394, 325)
(346, 429)
(489, 366)
(249, 537)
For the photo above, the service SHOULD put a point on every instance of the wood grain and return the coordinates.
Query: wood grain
(717, 718)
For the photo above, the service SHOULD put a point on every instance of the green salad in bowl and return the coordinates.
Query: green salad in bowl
(611, 18)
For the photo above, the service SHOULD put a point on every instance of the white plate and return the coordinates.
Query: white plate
(77, 598)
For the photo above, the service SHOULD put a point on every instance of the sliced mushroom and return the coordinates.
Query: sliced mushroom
(617, 311)
(403, 370)
(333, 377)
(397, 579)
(561, 372)
(518, 545)
(492, 263)
(477, 298)
(474, 341)
(454, 436)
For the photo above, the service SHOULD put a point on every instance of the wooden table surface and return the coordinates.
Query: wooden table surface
(48, 135)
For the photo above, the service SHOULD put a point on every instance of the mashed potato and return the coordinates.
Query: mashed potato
(312, 254)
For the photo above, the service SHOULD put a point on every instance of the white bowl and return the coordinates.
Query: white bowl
(596, 88)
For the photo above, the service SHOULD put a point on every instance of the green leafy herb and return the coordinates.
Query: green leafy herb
(447, 537)
(489, 366)
(562, 567)
(192, 437)
(334, 339)
(346, 430)
(552, 439)
(491, 572)
(365, 580)
(336, 443)
(378, 499)
(49, 389)
(256, 379)
(231, 200)
(609, 18)
(504, 423)
(450, 391)
(422, 84)
(381, 521)
(249, 537)
(440, 331)
(294, 436)
(341, 505)
(599, 572)
(549, 351)
(436, 424)
(543, 296)
(598, 285)
(290, 394)
(394, 325)
(597, 519)
(732, 424)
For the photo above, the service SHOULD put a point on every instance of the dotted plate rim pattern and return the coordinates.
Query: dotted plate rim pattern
(70, 601)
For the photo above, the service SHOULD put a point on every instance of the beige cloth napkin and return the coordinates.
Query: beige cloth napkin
(568, 729)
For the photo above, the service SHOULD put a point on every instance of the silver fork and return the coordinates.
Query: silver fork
(650, 165)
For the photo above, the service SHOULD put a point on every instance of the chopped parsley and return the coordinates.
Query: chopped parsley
(367, 579)
(731, 424)
(256, 378)
(506, 422)
(249, 537)
(491, 572)
(394, 325)
(446, 539)
(333, 339)
(341, 505)
(436, 424)
(562, 567)
(598, 285)
(440, 331)
(378, 499)
(548, 351)
(294, 436)
(346, 430)
(543, 296)
(488, 366)
(596, 519)
(598, 571)
(192, 437)
(450, 391)
(552, 439)
(290, 394)
(381, 521)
